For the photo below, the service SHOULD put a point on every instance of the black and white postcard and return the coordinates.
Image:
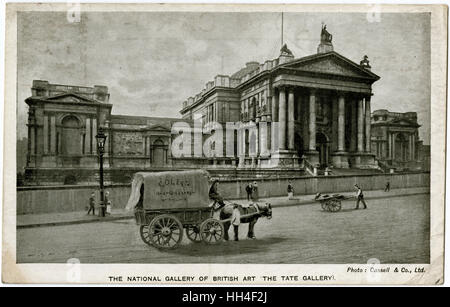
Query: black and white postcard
(224, 144)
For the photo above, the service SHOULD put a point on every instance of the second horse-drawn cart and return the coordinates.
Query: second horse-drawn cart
(167, 204)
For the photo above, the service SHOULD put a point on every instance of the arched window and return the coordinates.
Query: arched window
(71, 136)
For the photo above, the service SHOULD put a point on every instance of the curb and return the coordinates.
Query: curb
(127, 217)
(65, 223)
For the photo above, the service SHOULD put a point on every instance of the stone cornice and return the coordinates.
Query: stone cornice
(33, 100)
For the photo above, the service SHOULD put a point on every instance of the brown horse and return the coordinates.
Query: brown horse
(249, 215)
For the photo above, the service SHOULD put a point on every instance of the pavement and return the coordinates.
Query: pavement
(79, 217)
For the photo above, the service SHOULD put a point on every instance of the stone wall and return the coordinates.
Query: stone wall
(32, 200)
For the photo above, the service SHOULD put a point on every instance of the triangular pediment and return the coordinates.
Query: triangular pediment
(158, 128)
(69, 98)
(331, 63)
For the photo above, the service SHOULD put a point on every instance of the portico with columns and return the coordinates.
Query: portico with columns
(316, 124)
(313, 110)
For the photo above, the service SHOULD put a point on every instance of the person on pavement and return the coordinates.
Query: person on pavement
(236, 221)
(91, 204)
(360, 197)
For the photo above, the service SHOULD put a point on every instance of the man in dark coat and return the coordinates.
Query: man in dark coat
(91, 204)
(214, 194)
(249, 190)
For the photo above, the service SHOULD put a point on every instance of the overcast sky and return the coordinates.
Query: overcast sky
(151, 62)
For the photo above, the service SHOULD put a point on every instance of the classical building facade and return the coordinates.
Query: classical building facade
(395, 140)
(312, 111)
(63, 121)
(293, 115)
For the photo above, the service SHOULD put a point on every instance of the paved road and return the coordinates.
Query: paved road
(394, 230)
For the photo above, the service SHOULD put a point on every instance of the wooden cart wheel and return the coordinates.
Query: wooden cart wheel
(145, 234)
(324, 205)
(335, 205)
(212, 231)
(165, 231)
(193, 233)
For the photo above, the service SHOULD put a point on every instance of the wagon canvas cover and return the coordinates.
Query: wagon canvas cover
(169, 190)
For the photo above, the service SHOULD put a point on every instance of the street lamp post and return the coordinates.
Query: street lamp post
(101, 138)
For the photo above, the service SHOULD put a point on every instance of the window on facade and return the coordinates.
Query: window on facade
(71, 136)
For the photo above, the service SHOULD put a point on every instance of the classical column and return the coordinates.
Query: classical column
(53, 134)
(94, 133)
(299, 108)
(389, 152)
(312, 120)
(411, 155)
(108, 138)
(87, 140)
(274, 125)
(241, 146)
(353, 126)
(291, 124)
(29, 140)
(46, 132)
(360, 126)
(257, 144)
(334, 122)
(368, 124)
(263, 132)
(282, 120)
(341, 123)
(393, 146)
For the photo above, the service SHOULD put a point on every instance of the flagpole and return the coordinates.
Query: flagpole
(281, 29)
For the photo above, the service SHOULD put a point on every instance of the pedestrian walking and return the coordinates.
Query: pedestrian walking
(108, 203)
(255, 195)
(388, 187)
(290, 190)
(236, 221)
(249, 190)
(360, 197)
(91, 204)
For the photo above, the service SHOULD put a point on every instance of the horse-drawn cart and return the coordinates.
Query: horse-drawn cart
(168, 203)
(331, 203)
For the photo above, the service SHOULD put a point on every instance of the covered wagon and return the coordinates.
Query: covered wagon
(166, 203)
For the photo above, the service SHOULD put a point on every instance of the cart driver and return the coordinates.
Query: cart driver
(214, 194)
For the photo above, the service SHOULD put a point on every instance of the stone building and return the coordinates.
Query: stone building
(312, 111)
(293, 115)
(395, 140)
(62, 124)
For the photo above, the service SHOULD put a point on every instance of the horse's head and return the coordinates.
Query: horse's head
(266, 210)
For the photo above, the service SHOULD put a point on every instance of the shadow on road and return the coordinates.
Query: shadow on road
(227, 248)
